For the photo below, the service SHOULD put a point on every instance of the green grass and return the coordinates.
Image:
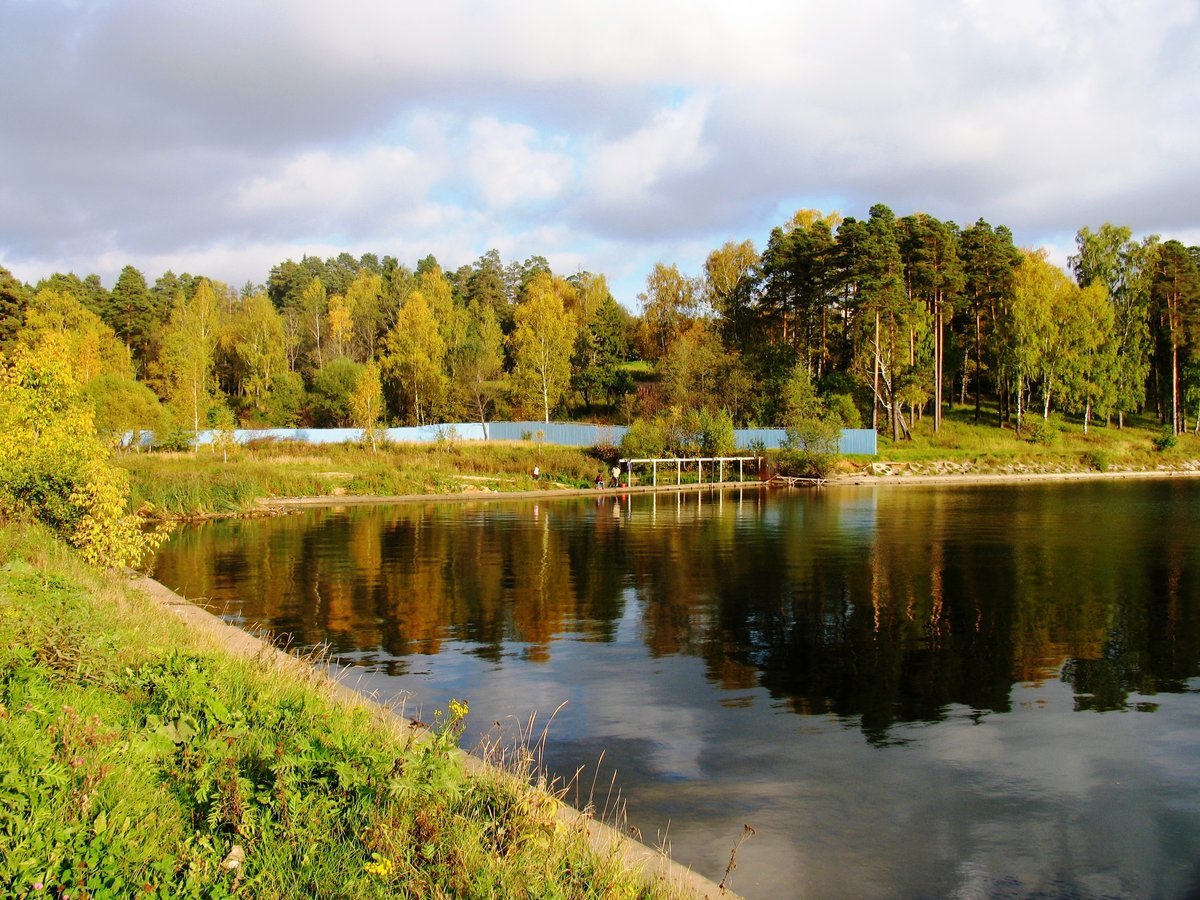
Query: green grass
(202, 483)
(640, 369)
(137, 757)
(1064, 446)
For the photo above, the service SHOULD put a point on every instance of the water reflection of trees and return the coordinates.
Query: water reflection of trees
(880, 607)
(812, 602)
(900, 617)
(405, 580)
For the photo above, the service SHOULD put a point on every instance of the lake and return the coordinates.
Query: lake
(905, 691)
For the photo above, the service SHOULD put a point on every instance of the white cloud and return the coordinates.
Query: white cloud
(323, 180)
(624, 169)
(619, 132)
(509, 168)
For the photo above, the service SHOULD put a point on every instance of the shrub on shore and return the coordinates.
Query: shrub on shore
(1166, 440)
(54, 468)
(677, 433)
(1097, 460)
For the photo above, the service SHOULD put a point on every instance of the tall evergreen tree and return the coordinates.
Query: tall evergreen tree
(1175, 299)
(288, 280)
(934, 276)
(13, 299)
(486, 287)
(800, 284)
(89, 291)
(989, 261)
(130, 312)
(600, 348)
(873, 265)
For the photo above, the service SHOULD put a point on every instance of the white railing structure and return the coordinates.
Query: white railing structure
(717, 465)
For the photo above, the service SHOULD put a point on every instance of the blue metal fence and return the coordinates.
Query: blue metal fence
(859, 440)
(568, 434)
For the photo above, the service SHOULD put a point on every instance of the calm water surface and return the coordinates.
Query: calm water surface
(942, 691)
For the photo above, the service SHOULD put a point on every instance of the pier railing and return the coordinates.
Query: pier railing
(716, 469)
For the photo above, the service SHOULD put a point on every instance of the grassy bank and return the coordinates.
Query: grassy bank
(138, 759)
(961, 446)
(204, 483)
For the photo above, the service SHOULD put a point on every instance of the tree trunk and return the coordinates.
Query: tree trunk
(875, 406)
(1174, 383)
(824, 340)
(196, 417)
(941, 367)
(895, 406)
(937, 370)
(1020, 392)
(978, 364)
(482, 407)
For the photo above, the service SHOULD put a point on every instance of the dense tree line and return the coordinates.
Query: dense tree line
(880, 320)
(907, 316)
(339, 342)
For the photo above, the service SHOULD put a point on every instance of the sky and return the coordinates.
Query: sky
(221, 138)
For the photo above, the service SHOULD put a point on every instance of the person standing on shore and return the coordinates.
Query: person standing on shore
(616, 474)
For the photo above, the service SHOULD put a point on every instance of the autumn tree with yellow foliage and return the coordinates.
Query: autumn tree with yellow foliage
(53, 466)
(542, 342)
